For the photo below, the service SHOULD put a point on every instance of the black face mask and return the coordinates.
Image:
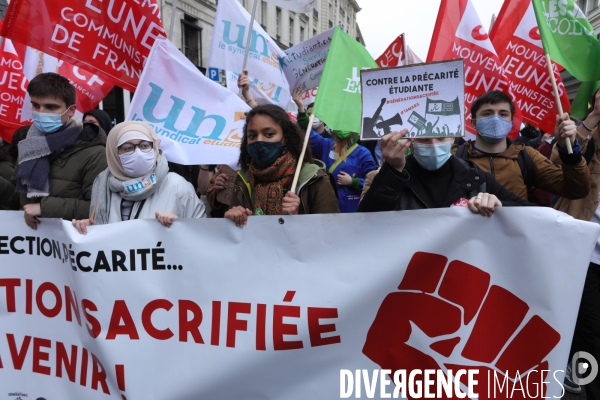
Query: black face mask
(264, 154)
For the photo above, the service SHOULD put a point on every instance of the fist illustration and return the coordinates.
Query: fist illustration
(448, 317)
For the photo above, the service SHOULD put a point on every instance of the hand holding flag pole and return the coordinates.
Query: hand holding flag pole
(301, 158)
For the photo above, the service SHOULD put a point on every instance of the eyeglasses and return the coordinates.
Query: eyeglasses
(129, 148)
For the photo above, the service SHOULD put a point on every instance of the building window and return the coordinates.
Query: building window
(314, 32)
(192, 39)
(302, 38)
(291, 33)
(278, 23)
(330, 24)
(243, 3)
(263, 13)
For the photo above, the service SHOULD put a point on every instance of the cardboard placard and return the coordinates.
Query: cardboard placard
(427, 99)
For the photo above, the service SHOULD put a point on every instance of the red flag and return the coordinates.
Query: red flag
(395, 55)
(90, 88)
(459, 34)
(12, 89)
(516, 37)
(108, 38)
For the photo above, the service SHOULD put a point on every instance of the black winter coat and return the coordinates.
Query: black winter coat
(394, 191)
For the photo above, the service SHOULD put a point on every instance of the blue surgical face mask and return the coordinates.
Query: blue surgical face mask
(493, 129)
(48, 122)
(432, 156)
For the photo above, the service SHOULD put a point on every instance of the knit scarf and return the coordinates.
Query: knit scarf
(134, 190)
(270, 184)
(36, 152)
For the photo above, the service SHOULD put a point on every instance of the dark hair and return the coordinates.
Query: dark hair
(50, 84)
(492, 97)
(20, 134)
(292, 134)
(311, 105)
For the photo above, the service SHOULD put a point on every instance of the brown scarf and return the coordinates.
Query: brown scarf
(270, 184)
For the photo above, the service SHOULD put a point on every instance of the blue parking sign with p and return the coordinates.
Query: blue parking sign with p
(213, 74)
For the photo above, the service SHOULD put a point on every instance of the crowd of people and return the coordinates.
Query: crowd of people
(93, 173)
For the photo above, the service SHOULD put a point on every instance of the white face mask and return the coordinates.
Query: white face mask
(316, 123)
(138, 164)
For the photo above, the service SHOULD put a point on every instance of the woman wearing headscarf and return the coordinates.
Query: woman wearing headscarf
(269, 155)
(137, 183)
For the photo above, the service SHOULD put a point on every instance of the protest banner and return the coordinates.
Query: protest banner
(228, 47)
(108, 38)
(428, 97)
(198, 120)
(569, 38)
(129, 310)
(300, 6)
(262, 92)
(12, 89)
(516, 38)
(338, 102)
(304, 63)
(459, 33)
(394, 55)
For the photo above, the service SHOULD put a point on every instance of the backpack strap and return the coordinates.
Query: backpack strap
(340, 159)
(527, 170)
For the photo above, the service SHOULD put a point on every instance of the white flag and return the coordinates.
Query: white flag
(300, 6)
(262, 92)
(305, 62)
(198, 120)
(412, 57)
(229, 46)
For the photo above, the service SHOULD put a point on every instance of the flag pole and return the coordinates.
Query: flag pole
(173, 11)
(301, 159)
(249, 39)
(557, 97)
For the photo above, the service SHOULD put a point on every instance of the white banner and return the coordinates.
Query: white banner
(304, 63)
(427, 99)
(275, 310)
(198, 120)
(229, 45)
(262, 92)
(300, 6)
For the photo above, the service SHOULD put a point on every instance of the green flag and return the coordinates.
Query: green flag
(338, 101)
(581, 103)
(441, 107)
(569, 37)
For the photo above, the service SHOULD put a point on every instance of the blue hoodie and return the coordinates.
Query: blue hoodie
(358, 165)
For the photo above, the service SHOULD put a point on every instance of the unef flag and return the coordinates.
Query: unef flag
(229, 46)
(394, 55)
(198, 120)
(459, 33)
(516, 38)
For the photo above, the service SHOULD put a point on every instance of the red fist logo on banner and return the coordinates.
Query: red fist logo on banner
(448, 317)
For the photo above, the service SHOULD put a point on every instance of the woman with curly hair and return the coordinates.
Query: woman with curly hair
(269, 155)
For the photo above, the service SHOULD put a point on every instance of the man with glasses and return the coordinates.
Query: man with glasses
(59, 159)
